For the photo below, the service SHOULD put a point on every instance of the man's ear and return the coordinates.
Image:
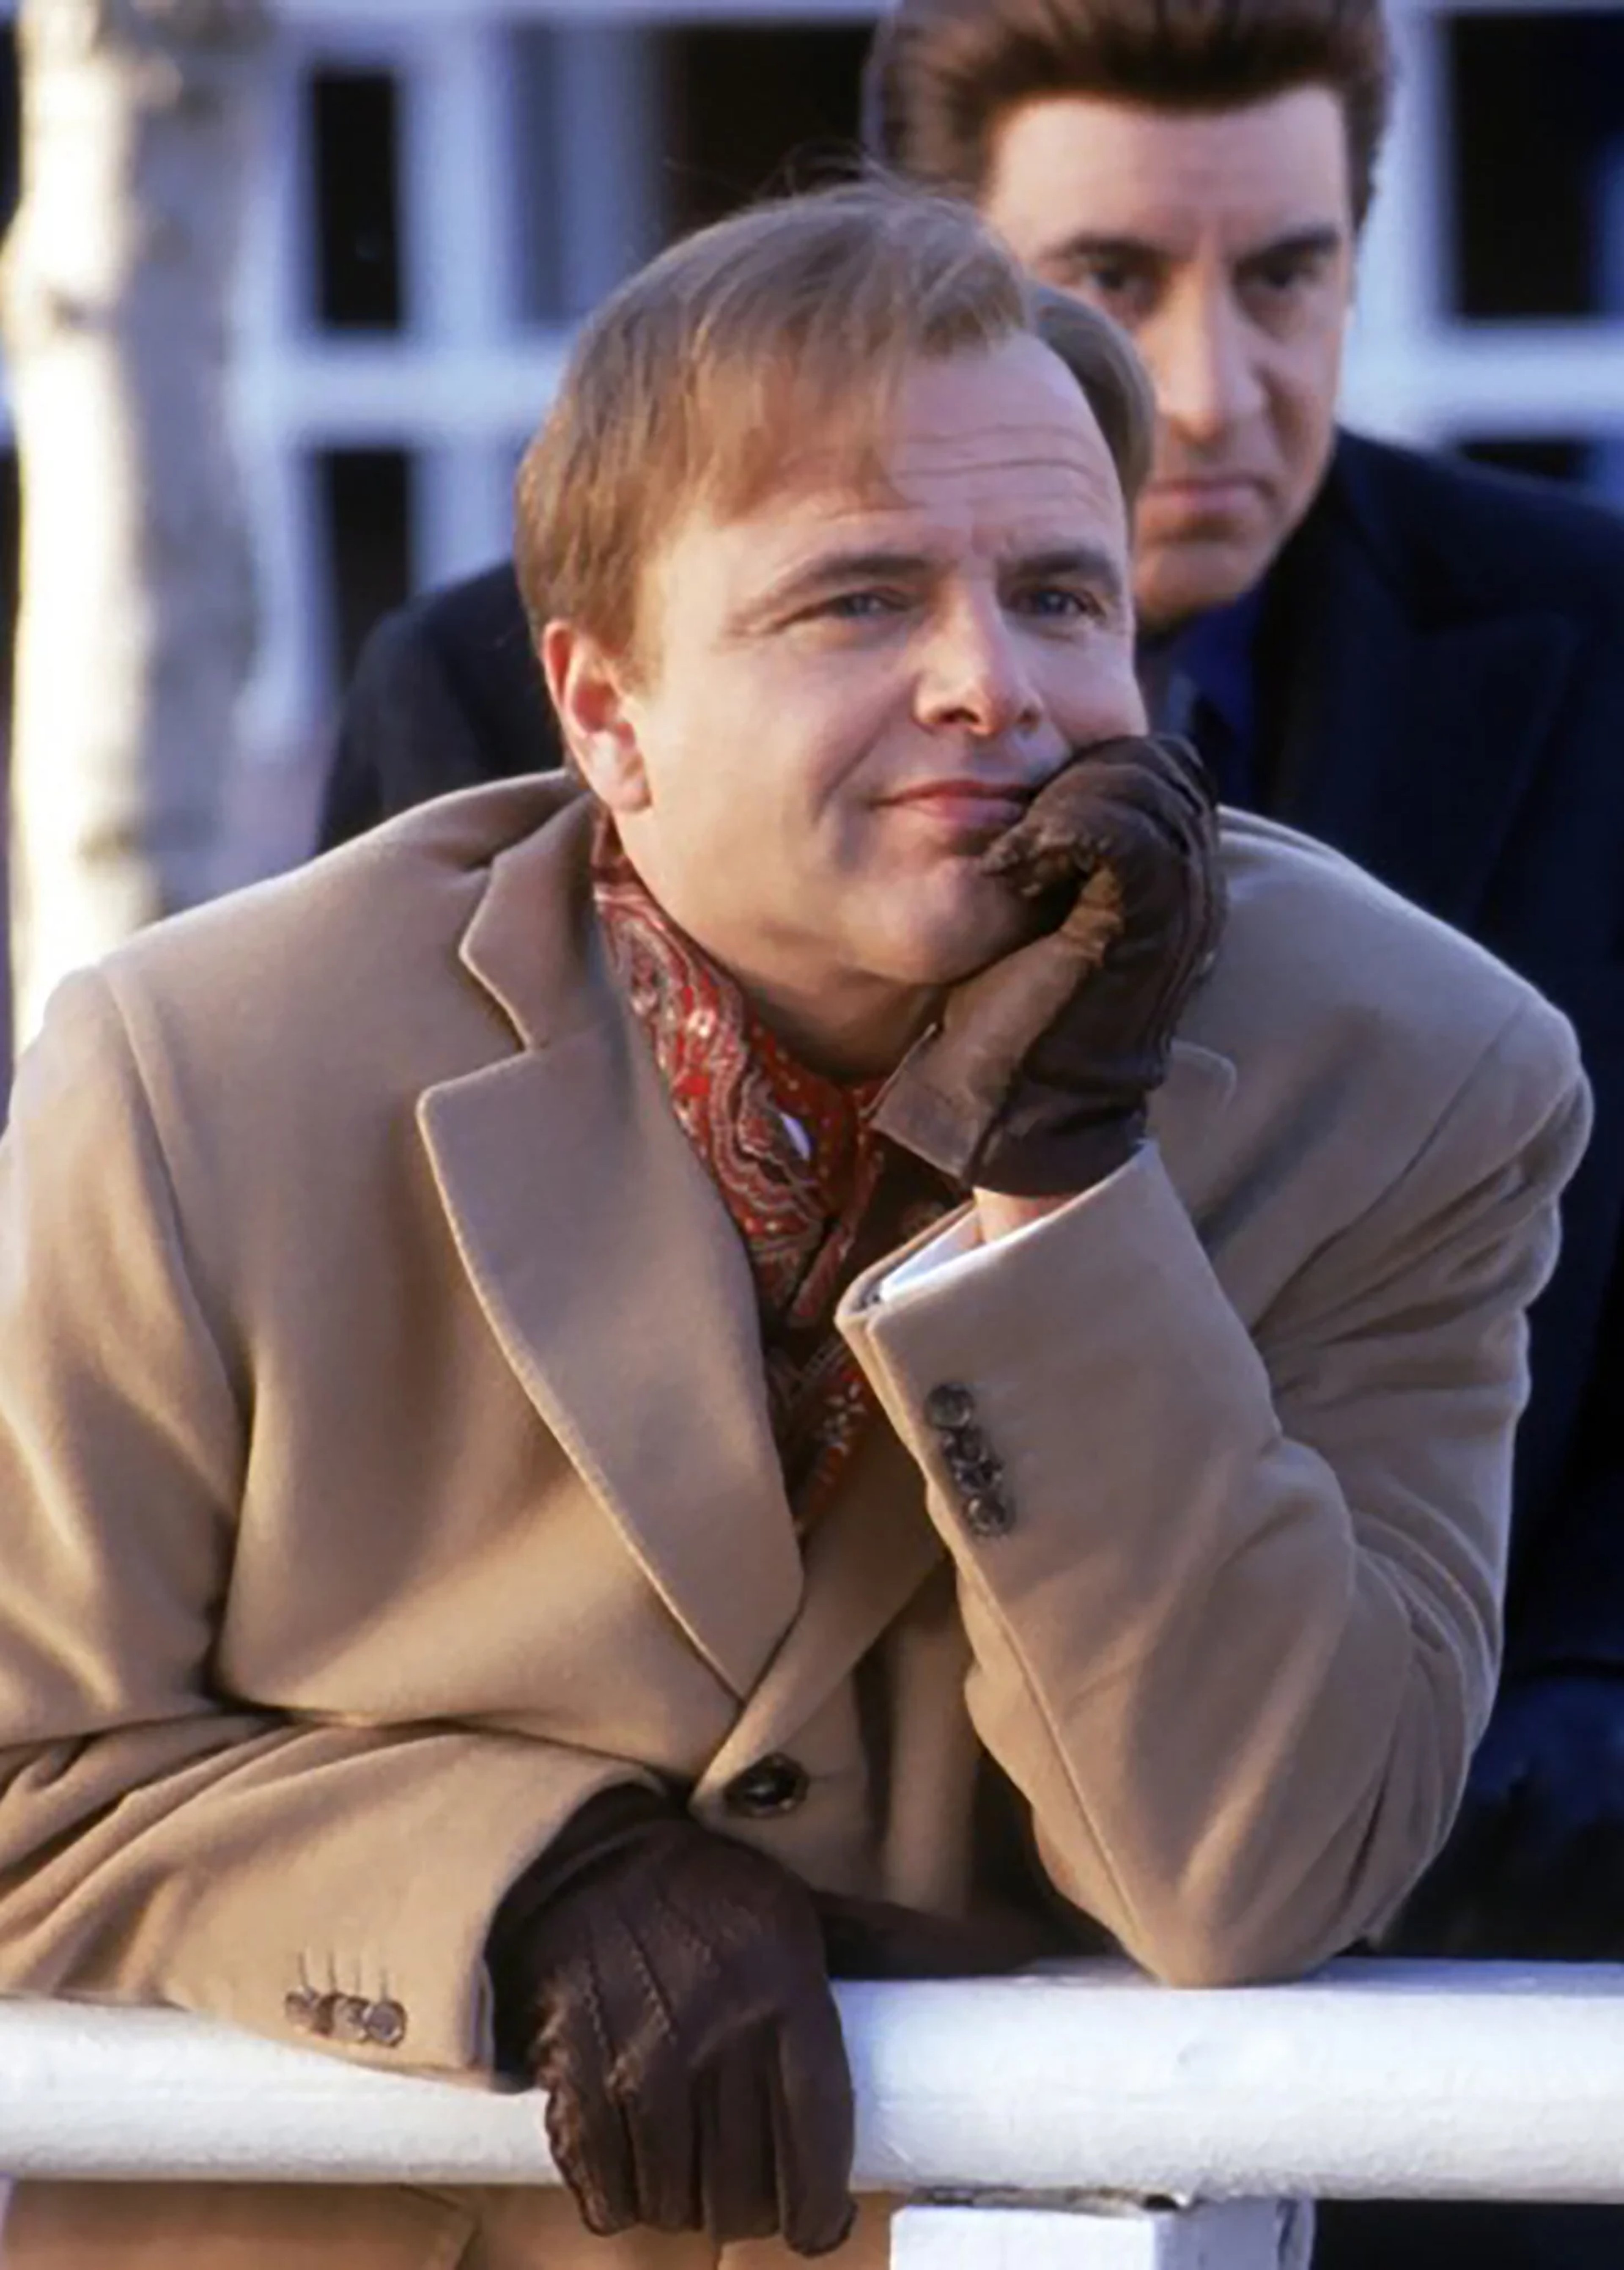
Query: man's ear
(589, 690)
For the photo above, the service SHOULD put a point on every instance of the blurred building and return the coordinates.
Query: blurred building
(447, 184)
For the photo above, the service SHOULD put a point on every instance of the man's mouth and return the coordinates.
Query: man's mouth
(1214, 494)
(966, 815)
(969, 799)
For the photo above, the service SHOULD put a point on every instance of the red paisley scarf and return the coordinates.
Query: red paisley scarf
(813, 1192)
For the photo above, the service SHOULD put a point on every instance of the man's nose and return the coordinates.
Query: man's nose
(976, 676)
(1203, 364)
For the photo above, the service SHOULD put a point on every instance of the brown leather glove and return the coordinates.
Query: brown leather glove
(667, 1987)
(1036, 1077)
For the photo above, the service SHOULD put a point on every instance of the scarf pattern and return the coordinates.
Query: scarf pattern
(814, 1194)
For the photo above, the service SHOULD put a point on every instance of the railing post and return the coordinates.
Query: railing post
(1102, 2235)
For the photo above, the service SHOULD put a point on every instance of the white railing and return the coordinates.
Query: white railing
(1025, 2116)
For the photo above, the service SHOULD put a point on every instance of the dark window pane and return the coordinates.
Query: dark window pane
(1555, 457)
(755, 107)
(11, 539)
(1538, 107)
(367, 507)
(354, 134)
(11, 124)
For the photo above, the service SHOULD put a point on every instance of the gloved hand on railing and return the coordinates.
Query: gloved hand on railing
(1534, 1869)
(1034, 1081)
(667, 1988)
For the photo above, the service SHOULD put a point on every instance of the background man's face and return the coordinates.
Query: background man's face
(850, 690)
(1224, 243)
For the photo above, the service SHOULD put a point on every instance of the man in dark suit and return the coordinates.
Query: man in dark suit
(1420, 662)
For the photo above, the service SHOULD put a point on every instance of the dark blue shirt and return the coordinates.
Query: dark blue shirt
(1201, 680)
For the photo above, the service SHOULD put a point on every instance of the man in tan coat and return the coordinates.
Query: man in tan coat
(616, 1375)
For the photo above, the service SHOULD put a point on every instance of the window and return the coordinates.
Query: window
(354, 146)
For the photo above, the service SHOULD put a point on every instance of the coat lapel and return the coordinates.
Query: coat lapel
(1407, 744)
(606, 1266)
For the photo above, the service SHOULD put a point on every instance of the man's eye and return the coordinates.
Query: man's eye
(1058, 603)
(1281, 283)
(1126, 291)
(860, 606)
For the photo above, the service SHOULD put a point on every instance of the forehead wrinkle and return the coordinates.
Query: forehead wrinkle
(1018, 447)
(1080, 480)
(1017, 454)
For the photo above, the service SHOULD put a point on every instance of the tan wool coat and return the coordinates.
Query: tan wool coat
(385, 1468)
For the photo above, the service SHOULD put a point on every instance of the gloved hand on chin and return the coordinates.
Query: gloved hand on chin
(1036, 1079)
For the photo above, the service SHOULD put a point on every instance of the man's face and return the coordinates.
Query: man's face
(1224, 243)
(850, 691)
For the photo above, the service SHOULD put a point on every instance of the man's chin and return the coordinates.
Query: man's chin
(945, 952)
(1175, 582)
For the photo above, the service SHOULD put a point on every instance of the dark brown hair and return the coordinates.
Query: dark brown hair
(942, 73)
(782, 331)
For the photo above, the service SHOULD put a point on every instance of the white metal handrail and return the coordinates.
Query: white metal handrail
(1035, 2099)
(1372, 2079)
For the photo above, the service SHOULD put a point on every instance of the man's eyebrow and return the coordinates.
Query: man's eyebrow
(862, 564)
(1087, 244)
(1296, 244)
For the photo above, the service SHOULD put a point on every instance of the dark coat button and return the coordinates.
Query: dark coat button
(969, 1457)
(386, 2024)
(351, 2013)
(321, 2017)
(949, 1405)
(989, 1513)
(773, 1784)
(302, 2009)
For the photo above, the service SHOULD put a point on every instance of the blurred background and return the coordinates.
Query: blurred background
(441, 186)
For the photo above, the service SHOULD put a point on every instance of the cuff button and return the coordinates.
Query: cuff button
(350, 2015)
(949, 1405)
(989, 1513)
(386, 2025)
(302, 2009)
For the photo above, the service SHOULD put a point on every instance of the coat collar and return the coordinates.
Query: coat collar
(1411, 722)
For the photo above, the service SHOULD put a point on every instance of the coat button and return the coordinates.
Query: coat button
(989, 1513)
(949, 1405)
(322, 2007)
(302, 2009)
(386, 2024)
(350, 2015)
(774, 1785)
(969, 1457)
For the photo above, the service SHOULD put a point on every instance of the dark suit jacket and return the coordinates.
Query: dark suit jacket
(1443, 668)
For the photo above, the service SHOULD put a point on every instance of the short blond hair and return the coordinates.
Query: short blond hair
(789, 324)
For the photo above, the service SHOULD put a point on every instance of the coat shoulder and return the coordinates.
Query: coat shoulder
(1321, 960)
(351, 961)
(467, 627)
(1466, 539)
